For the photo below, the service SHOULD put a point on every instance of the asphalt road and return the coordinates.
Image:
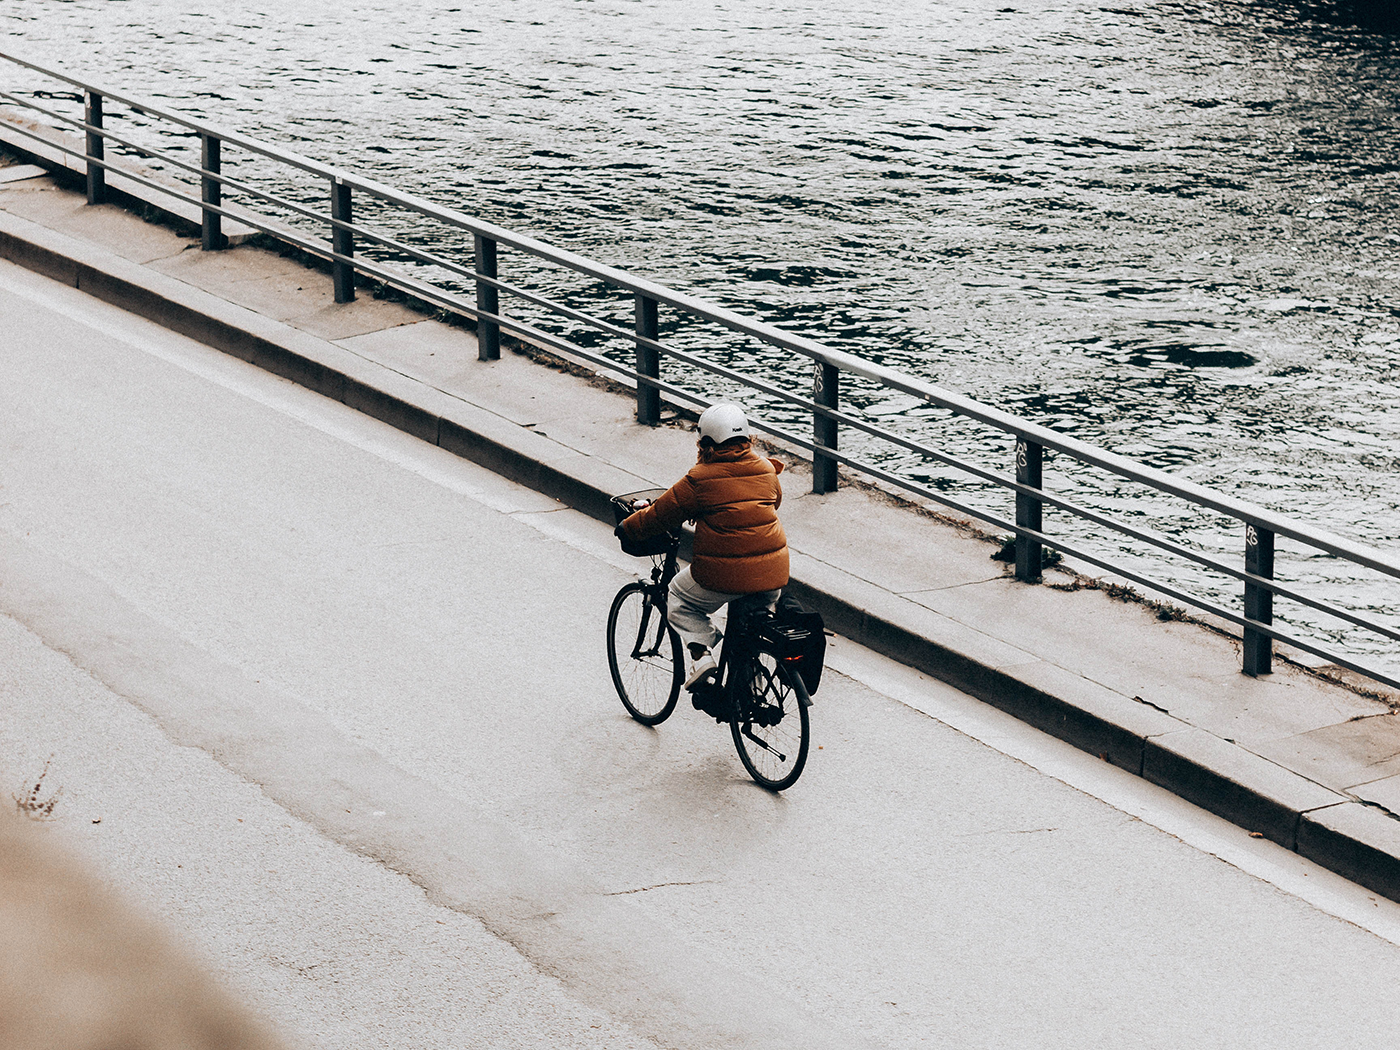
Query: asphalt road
(335, 705)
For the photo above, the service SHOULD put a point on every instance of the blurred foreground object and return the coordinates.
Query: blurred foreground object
(81, 970)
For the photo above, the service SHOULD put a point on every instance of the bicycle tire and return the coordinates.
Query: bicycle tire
(771, 730)
(647, 672)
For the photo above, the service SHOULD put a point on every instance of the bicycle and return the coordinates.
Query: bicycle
(757, 688)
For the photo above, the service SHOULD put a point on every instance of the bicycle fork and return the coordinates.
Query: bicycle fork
(637, 651)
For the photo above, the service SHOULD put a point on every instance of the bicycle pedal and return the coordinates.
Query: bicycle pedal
(701, 684)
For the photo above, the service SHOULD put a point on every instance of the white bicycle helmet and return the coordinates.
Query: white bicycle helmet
(722, 422)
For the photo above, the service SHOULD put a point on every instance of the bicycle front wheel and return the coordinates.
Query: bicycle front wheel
(770, 725)
(644, 655)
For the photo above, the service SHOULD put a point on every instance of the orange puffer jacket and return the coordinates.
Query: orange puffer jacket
(732, 494)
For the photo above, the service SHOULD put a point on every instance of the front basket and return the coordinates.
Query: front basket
(628, 504)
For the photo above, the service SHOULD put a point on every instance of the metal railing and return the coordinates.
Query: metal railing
(823, 403)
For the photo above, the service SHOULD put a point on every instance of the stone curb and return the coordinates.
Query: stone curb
(1356, 841)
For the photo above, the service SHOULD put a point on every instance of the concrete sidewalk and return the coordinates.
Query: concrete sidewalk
(1303, 761)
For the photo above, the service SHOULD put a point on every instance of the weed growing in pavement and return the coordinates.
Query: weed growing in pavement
(1006, 551)
(29, 803)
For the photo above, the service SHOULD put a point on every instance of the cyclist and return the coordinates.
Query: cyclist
(732, 494)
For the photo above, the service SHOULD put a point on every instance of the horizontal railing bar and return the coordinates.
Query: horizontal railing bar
(1076, 552)
(868, 468)
(915, 446)
(242, 215)
(928, 392)
(1172, 547)
(106, 165)
(432, 293)
(1239, 509)
(521, 329)
(1212, 608)
(267, 149)
(193, 169)
(728, 373)
(1265, 583)
(1048, 496)
(904, 483)
(1113, 524)
(224, 180)
(288, 234)
(239, 214)
(64, 118)
(1148, 536)
(1210, 562)
(1200, 603)
(601, 324)
(610, 328)
(422, 256)
(1043, 494)
(413, 284)
(106, 133)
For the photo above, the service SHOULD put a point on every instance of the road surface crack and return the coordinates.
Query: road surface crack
(657, 886)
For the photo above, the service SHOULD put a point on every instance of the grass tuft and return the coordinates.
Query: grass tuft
(31, 805)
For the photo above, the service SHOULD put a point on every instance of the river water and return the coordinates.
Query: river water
(1171, 229)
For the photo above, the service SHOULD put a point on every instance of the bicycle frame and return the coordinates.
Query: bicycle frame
(747, 690)
(737, 644)
(656, 591)
(736, 652)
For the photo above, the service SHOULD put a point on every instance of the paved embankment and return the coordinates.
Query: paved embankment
(333, 702)
(1304, 762)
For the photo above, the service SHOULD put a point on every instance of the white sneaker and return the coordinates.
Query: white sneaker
(702, 666)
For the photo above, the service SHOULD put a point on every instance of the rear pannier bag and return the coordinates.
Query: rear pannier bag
(798, 637)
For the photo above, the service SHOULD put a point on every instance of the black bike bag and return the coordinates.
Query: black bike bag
(797, 637)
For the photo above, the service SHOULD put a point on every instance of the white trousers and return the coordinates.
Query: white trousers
(690, 606)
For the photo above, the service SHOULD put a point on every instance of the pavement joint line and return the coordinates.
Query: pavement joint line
(1351, 843)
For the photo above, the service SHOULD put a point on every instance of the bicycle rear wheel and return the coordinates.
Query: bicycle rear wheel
(644, 656)
(770, 727)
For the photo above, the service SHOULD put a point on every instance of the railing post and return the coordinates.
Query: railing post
(488, 300)
(826, 387)
(211, 192)
(96, 150)
(1258, 601)
(342, 243)
(648, 362)
(1029, 459)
